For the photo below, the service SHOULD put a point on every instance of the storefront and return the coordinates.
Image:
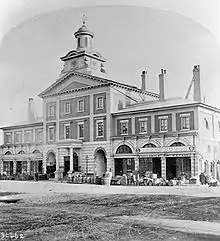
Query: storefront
(168, 162)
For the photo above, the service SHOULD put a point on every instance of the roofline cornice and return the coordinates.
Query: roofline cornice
(106, 81)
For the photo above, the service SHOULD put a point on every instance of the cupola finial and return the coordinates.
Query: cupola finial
(84, 18)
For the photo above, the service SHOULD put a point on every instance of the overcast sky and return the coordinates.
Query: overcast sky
(168, 34)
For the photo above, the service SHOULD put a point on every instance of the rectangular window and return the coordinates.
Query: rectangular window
(8, 137)
(51, 110)
(28, 136)
(143, 126)
(100, 128)
(163, 124)
(67, 108)
(80, 105)
(99, 103)
(67, 131)
(51, 133)
(185, 122)
(124, 127)
(81, 130)
(18, 137)
(39, 135)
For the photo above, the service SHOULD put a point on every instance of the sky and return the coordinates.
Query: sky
(132, 35)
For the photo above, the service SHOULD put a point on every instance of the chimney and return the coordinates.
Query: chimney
(161, 84)
(197, 88)
(31, 114)
(143, 80)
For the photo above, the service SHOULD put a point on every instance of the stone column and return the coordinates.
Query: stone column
(70, 172)
(1, 167)
(14, 167)
(28, 166)
(57, 172)
(136, 159)
(163, 166)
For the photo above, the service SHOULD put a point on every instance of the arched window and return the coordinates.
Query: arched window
(123, 149)
(86, 42)
(79, 42)
(7, 153)
(21, 152)
(178, 144)
(36, 151)
(149, 145)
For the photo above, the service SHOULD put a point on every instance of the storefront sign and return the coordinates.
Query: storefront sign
(166, 149)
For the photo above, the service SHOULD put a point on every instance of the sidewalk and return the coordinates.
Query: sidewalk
(48, 186)
(188, 226)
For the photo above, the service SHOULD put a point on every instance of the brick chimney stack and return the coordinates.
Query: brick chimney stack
(197, 87)
(143, 80)
(31, 112)
(161, 84)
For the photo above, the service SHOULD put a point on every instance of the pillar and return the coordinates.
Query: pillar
(1, 167)
(14, 167)
(28, 166)
(163, 166)
(194, 166)
(57, 172)
(136, 159)
(214, 170)
(70, 172)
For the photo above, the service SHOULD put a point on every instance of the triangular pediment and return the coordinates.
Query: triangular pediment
(70, 82)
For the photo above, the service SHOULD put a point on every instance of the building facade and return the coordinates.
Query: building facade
(92, 123)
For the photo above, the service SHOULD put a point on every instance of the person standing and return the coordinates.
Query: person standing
(108, 176)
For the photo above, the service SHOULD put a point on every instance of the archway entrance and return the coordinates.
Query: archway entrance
(51, 164)
(178, 166)
(101, 162)
(124, 165)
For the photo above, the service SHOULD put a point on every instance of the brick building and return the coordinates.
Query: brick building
(91, 123)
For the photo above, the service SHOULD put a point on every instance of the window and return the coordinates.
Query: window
(100, 128)
(8, 138)
(86, 42)
(80, 105)
(67, 108)
(79, 42)
(185, 122)
(51, 110)
(51, 133)
(67, 131)
(143, 126)
(99, 103)
(163, 123)
(124, 127)
(17, 137)
(81, 130)
(206, 123)
(28, 136)
(39, 135)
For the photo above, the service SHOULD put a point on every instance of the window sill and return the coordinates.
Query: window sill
(80, 111)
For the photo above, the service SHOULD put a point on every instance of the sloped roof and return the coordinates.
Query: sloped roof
(24, 124)
(156, 104)
(102, 81)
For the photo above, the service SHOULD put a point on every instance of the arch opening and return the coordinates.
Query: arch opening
(101, 162)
